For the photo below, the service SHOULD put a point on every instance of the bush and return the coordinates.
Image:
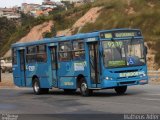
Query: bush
(11, 32)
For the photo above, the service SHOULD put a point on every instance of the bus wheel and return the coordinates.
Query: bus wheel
(84, 89)
(121, 90)
(69, 91)
(36, 87)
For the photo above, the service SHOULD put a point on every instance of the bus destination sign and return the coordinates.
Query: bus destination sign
(120, 34)
(125, 34)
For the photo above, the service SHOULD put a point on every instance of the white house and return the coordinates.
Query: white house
(1, 13)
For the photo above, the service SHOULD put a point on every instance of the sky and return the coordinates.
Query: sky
(11, 3)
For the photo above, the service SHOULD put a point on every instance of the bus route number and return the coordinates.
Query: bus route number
(114, 44)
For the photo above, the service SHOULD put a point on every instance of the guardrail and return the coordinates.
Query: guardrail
(154, 74)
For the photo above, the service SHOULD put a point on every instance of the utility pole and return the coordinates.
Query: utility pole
(0, 67)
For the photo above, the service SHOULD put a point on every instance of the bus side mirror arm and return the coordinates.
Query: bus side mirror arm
(101, 51)
(145, 50)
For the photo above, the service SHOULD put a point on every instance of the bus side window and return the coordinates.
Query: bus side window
(64, 51)
(41, 55)
(31, 54)
(14, 56)
(78, 50)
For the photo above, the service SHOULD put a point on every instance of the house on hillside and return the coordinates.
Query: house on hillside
(48, 2)
(9, 13)
(78, 1)
(26, 8)
(38, 10)
(1, 13)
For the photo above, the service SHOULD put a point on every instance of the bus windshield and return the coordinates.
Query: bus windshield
(123, 53)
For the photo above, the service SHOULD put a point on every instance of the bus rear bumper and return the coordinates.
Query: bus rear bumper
(116, 83)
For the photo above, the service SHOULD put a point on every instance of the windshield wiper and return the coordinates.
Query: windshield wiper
(118, 49)
(131, 44)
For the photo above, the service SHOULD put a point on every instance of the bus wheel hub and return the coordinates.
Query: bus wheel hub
(36, 87)
(84, 87)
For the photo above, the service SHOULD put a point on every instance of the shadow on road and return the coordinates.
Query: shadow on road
(77, 93)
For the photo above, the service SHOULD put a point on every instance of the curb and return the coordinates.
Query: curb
(2, 87)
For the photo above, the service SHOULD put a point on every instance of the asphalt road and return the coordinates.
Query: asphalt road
(138, 99)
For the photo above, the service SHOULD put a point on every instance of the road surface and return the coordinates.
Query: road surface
(138, 99)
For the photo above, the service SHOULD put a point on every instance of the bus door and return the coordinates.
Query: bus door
(54, 64)
(94, 63)
(22, 66)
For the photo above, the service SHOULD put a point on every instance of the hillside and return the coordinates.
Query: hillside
(36, 33)
(102, 14)
(89, 17)
(109, 14)
(12, 31)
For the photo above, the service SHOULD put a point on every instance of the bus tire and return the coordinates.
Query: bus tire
(120, 90)
(84, 89)
(36, 87)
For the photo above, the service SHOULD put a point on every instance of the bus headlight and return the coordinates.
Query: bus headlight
(143, 75)
(108, 78)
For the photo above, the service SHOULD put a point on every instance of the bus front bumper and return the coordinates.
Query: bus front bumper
(124, 82)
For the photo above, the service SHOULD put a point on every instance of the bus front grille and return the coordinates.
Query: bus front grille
(128, 82)
(126, 77)
(124, 71)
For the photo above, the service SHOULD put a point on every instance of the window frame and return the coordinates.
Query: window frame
(33, 60)
(35, 54)
(44, 53)
(78, 50)
(68, 52)
(54, 60)
(14, 56)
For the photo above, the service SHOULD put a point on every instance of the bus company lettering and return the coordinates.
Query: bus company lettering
(30, 68)
(79, 66)
(91, 39)
(68, 83)
(129, 74)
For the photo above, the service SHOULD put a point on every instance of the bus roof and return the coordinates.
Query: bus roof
(120, 29)
(65, 38)
(55, 39)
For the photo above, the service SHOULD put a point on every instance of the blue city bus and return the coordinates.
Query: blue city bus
(108, 59)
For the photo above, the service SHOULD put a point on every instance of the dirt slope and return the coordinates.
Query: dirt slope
(35, 34)
(37, 31)
(89, 17)
(152, 66)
